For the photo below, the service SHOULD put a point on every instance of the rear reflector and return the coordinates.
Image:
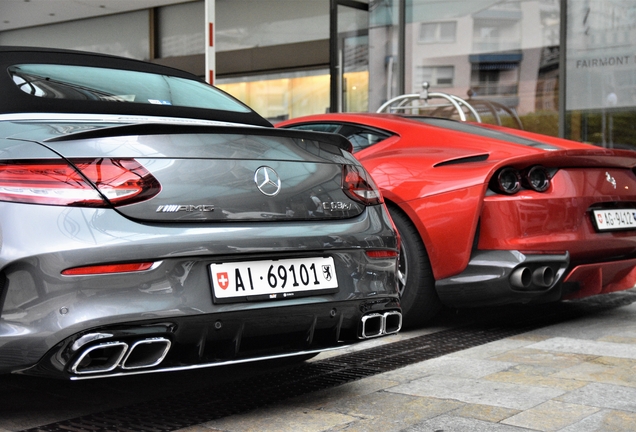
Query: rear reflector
(381, 253)
(109, 268)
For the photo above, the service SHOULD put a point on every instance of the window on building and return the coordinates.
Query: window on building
(436, 76)
(438, 32)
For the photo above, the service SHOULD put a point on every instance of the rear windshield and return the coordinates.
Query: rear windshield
(117, 85)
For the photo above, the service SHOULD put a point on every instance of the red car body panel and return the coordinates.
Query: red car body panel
(447, 224)
(440, 178)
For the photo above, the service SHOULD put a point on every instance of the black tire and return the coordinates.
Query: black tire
(416, 283)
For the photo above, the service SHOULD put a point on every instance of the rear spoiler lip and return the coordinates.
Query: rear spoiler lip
(172, 129)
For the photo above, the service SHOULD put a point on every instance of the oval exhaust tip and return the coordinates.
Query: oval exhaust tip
(543, 276)
(521, 278)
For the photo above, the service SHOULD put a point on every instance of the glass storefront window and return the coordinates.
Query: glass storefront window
(601, 72)
(283, 96)
(356, 91)
(287, 95)
(180, 29)
(242, 24)
(499, 51)
(130, 39)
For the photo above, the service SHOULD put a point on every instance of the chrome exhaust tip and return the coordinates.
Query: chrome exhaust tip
(146, 353)
(376, 324)
(100, 358)
(372, 325)
(106, 357)
(392, 322)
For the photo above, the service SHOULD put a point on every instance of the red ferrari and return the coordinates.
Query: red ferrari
(493, 216)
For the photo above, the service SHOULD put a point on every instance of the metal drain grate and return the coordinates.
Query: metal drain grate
(196, 407)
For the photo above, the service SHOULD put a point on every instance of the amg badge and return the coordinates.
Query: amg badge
(173, 208)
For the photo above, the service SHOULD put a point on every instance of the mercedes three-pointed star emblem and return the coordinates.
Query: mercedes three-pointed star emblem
(267, 181)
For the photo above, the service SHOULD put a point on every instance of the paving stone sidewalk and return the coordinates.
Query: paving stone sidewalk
(578, 376)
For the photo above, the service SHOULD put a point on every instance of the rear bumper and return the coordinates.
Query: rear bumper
(194, 342)
(504, 277)
(41, 310)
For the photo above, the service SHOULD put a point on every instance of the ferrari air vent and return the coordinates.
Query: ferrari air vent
(462, 160)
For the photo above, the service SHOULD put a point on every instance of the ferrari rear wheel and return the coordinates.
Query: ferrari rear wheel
(416, 284)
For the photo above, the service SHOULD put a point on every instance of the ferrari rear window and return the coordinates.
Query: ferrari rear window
(117, 85)
(360, 137)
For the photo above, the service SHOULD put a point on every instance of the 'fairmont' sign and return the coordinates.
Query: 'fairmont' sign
(602, 62)
(601, 55)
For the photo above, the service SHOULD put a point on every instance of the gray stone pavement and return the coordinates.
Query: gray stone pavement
(578, 376)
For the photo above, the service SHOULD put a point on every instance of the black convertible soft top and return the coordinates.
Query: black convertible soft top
(14, 100)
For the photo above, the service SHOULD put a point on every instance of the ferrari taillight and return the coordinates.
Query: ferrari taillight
(89, 183)
(359, 186)
(509, 180)
(536, 178)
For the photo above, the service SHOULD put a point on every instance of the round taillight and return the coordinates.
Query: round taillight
(537, 178)
(507, 181)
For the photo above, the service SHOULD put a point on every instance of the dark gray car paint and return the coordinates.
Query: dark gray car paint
(41, 307)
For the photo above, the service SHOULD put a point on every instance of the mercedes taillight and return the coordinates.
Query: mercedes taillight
(100, 182)
(359, 186)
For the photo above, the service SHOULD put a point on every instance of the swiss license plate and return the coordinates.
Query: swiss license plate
(273, 279)
(615, 219)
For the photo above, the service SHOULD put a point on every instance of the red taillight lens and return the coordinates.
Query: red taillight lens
(121, 181)
(46, 182)
(506, 181)
(108, 268)
(359, 186)
(536, 178)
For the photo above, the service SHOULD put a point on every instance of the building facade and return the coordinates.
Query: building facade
(563, 67)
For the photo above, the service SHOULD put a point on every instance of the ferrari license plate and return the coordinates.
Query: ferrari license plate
(615, 219)
(273, 279)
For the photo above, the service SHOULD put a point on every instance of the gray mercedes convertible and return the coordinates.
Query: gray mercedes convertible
(150, 222)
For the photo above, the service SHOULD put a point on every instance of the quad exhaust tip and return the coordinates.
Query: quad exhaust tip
(146, 353)
(377, 324)
(525, 278)
(107, 356)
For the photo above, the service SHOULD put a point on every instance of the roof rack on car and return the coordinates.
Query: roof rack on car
(450, 106)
